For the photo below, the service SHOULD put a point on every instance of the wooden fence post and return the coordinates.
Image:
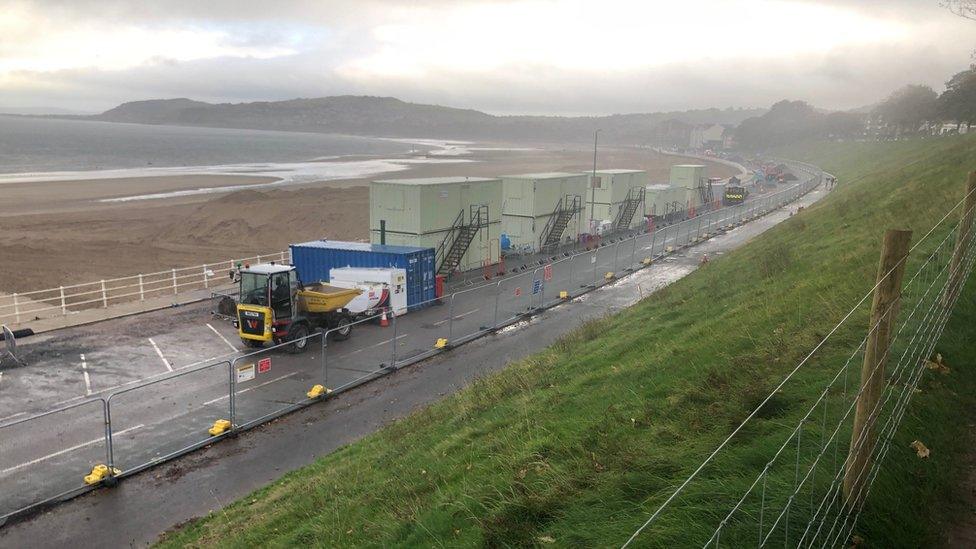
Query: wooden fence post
(963, 238)
(884, 312)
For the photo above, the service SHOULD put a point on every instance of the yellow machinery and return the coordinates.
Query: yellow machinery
(273, 305)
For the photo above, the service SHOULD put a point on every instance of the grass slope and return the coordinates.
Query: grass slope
(578, 444)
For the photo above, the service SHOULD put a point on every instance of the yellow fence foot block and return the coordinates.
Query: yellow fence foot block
(99, 473)
(219, 427)
(318, 391)
(441, 343)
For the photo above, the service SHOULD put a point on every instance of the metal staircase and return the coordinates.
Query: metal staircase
(705, 193)
(459, 238)
(635, 197)
(567, 208)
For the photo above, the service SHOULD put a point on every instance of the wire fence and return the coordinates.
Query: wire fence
(64, 300)
(52, 456)
(808, 489)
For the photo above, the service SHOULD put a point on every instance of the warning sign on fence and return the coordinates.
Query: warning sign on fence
(264, 365)
(518, 291)
(245, 372)
(536, 286)
(547, 273)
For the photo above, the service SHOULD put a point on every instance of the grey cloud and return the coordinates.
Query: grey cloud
(334, 32)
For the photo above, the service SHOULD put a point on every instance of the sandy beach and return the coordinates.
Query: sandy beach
(63, 232)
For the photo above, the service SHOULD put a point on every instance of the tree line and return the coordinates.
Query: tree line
(904, 112)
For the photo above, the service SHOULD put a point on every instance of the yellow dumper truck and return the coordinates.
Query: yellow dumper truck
(274, 305)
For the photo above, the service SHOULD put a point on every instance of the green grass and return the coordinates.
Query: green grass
(578, 444)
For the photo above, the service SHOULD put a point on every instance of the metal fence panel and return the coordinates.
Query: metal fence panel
(471, 312)
(154, 421)
(47, 456)
(271, 380)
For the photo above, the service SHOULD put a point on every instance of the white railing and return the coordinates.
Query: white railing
(61, 301)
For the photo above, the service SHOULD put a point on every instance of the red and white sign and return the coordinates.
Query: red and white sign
(518, 291)
(264, 365)
(547, 272)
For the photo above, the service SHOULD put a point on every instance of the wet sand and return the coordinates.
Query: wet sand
(57, 233)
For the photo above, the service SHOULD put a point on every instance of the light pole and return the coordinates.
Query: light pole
(593, 181)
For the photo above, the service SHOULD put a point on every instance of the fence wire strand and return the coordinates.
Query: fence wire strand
(815, 456)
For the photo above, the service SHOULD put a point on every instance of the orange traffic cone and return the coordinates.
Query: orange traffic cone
(384, 322)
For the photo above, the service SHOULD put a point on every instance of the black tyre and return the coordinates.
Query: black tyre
(299, 337)
(343, 329)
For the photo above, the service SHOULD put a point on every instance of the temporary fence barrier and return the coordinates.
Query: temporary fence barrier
(44, 458)
(191, 401)
(269, 381)
(145, 424)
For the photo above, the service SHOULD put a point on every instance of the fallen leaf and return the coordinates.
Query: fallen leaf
(936, 366)
(546, 539)
(920, 449)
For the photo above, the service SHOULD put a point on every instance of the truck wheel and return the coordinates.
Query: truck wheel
(299, 336)
(343, 329)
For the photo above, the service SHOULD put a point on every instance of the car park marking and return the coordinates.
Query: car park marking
(18, 414)
(65, 451)
(84, 371)
(462, 315)
(221, 336)
(160, 353)
(242, 391)
(381, 343)
(145, 379)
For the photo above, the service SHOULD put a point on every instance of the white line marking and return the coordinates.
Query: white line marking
(63, 402)
(160, 353)
(18, 414)
(84, 370)
(218, 399)
(154, 376)
(381, 343)
(65, 451)
(221, 336)
(462, 315)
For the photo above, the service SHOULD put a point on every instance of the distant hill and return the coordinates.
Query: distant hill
(391, 117)
(154, 111)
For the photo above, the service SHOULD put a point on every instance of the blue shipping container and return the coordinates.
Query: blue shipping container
(313, 260)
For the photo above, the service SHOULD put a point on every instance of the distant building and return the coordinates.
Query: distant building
(951, 128)
(709, 136)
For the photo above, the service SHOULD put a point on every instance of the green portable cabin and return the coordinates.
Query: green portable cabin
(424, 211)
(530, 201)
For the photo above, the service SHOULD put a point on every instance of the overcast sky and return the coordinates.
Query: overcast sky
(519, 56)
